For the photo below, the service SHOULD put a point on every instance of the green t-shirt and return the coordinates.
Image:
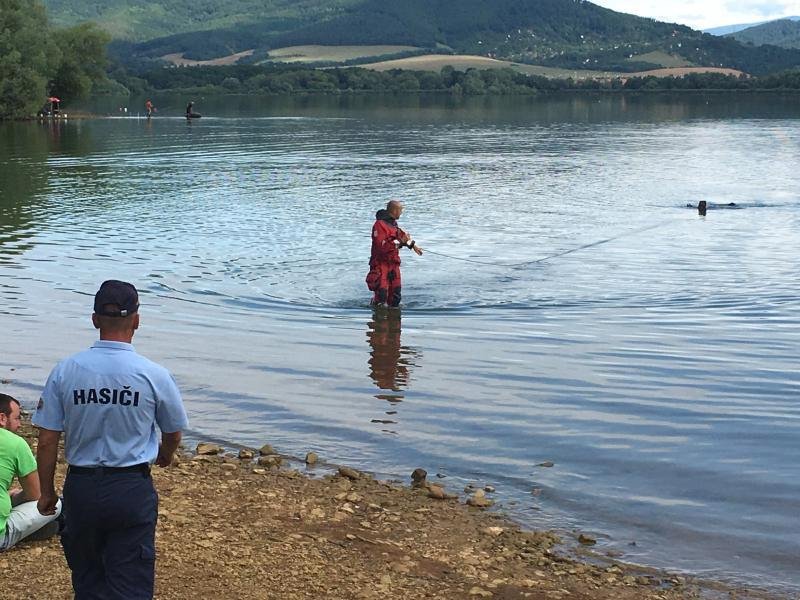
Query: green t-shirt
(16, 460)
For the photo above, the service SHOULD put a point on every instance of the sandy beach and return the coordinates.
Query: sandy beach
(255, 528)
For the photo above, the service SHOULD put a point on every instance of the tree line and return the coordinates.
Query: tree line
(38, 61)
(274, 79)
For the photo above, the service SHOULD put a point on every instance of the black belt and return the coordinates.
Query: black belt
(141, 468)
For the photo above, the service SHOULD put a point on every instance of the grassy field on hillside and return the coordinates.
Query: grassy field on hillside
(178, 60)
(312, 54)
(662, 58)
(462, 62)
(681, 71)
(435, 62)
(296, 55)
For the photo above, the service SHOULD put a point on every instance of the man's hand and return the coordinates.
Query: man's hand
(167, 447)
(47, 504)
(162, 460)
(417, 249)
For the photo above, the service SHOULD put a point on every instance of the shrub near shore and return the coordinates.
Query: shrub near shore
(230, 528)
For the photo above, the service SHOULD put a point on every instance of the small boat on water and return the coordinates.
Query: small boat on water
(190, 114)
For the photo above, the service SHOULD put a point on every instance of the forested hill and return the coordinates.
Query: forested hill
(565, 33)
(784, 33)
(142, 20)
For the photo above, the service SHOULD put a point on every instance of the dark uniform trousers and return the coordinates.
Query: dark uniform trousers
(109, 537)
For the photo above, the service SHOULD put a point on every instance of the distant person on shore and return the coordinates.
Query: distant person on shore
(384, 264)
(19, 517)
(109, 401)
(149, 108)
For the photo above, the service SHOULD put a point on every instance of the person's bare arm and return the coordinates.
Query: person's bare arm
(16, 496)
(30, 489)
(166, 451)
(46, 456)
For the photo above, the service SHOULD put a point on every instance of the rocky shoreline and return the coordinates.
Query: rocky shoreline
(244, 526)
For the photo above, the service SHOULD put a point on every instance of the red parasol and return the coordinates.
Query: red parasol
(53, 99)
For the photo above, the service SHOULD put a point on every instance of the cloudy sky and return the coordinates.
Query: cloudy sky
(702, 14)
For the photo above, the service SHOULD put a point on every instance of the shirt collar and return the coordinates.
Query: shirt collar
(113, 345)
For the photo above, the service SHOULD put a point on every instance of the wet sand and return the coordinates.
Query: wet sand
(232, 528)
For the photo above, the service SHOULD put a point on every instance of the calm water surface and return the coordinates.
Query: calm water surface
(648, 352)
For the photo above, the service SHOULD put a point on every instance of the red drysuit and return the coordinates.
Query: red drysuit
(384, 261)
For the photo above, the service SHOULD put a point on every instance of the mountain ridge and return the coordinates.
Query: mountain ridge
(562, 33)
(783, 32)
(729, 29)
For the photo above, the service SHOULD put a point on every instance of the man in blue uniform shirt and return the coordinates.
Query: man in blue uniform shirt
(108, 401)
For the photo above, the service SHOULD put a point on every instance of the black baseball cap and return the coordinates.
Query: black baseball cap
(116, 299)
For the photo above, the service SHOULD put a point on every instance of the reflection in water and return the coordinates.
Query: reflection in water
(25, 175)
(24, 149)
(557, 108)
(390, 364)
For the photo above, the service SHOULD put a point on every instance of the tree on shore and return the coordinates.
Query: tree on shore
(26, 55)
(82, 60)
(37, 61)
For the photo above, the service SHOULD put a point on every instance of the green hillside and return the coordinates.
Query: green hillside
(784, 33)
(560, 33)
(563, 33)
(141, 20)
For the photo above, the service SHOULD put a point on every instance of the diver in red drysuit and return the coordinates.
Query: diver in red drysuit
(384, 264)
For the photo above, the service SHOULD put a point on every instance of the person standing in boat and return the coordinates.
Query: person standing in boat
(189, 110)
(383, 278)
(148, 108)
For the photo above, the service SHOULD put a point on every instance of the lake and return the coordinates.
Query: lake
(571, 308)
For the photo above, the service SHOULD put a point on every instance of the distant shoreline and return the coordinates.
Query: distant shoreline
(218, 91)
(211, 91)
(83, 115)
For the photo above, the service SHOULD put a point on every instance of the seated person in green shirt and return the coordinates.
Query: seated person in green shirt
(19, 517)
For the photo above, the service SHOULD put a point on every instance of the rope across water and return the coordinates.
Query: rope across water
(551, 256)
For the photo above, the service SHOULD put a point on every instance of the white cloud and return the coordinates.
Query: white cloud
(702, 14)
